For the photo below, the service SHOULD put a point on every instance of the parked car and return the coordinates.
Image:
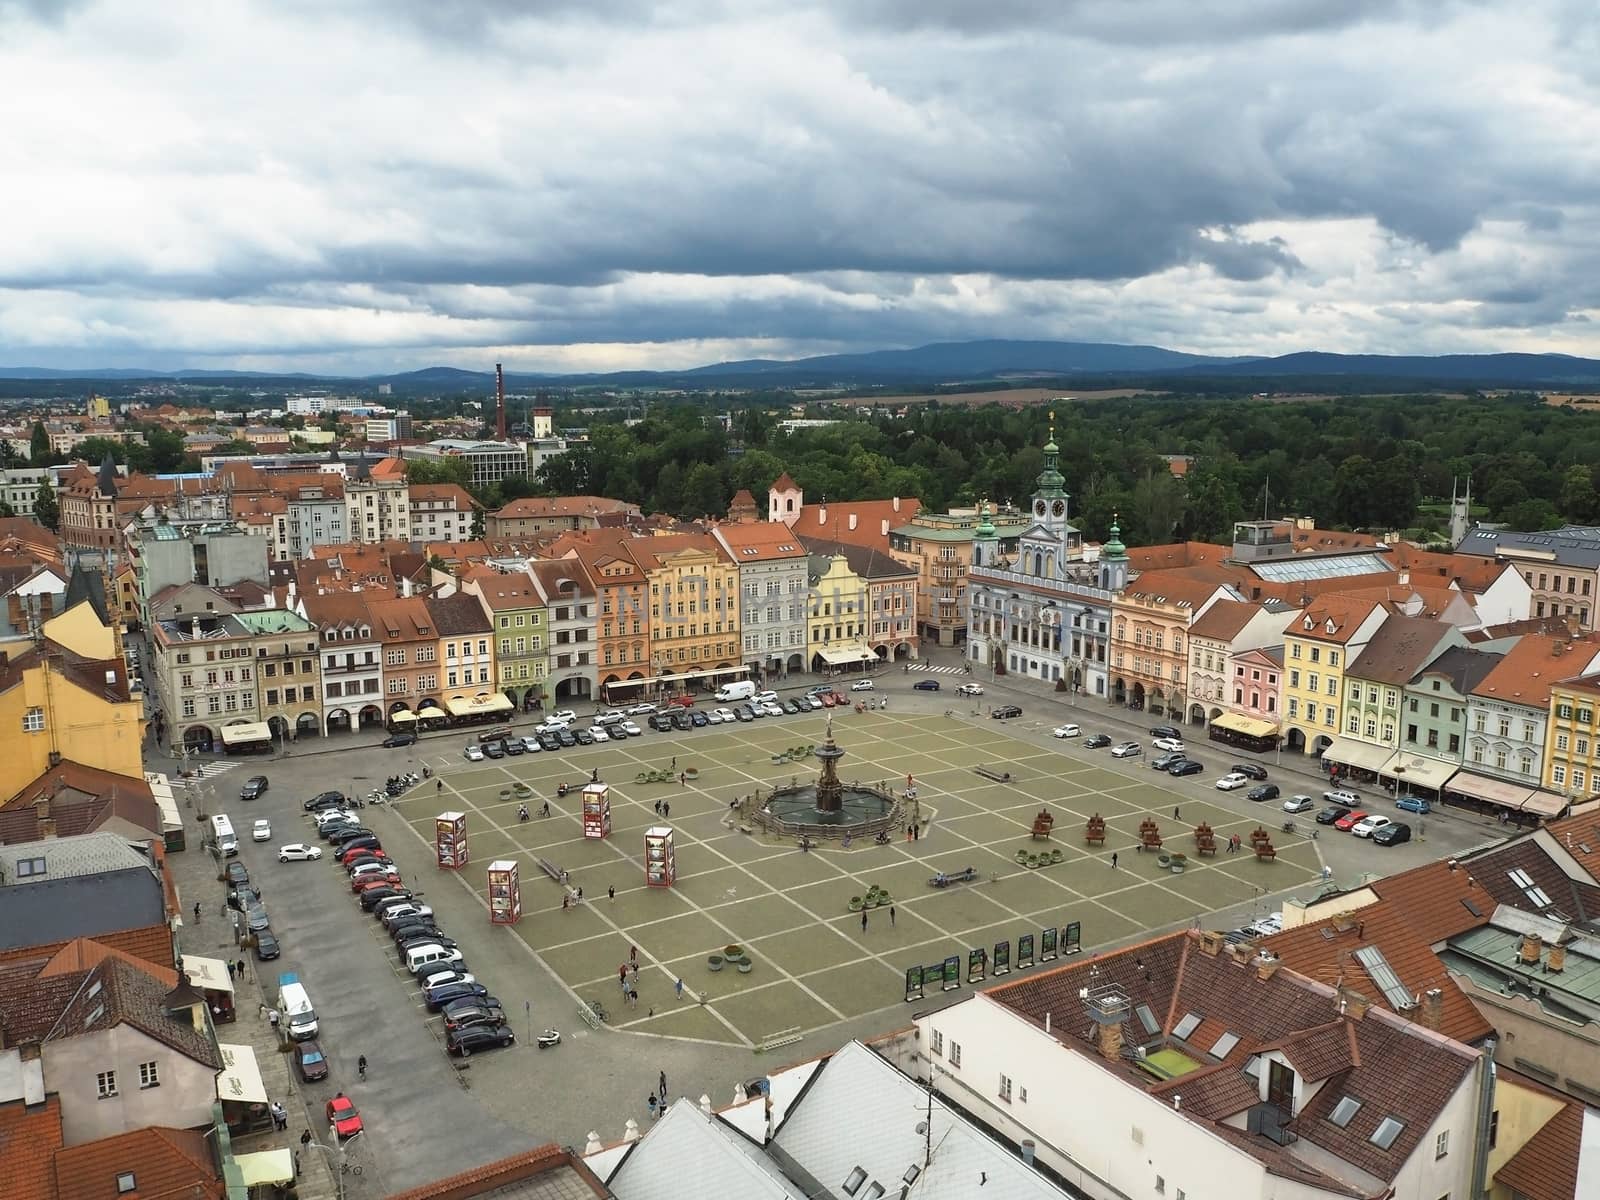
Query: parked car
(1332, 814)
(1342, 796)
(439, 995)
(267, 947)
(530, 744)
(1096, 741)
(1065, 731)
(1165, 762)
(724, 715)
(1392, 834)
(1006, 711)
(639, 710)
(1350, 820)
(564, 715)
(237, 873)
(813, 702)
(1170, 745)
(513, 747)
(743, 713)
(341, 834)
(1231, 782)
(328, 828)
(699, 719)
(373, 896)
(829, 698)
(1249, 770)
(1127, 750)
(396, 740)
(334, 816)
(771, 709)
(463, 1014)
(494, 750)
(1370, 825)
(342, 1115)
(310, 1061)
(442, 977)
(473, 753)
(256, 918)
(254, 788)
(926, 685)
(1414, 804)
(1295, 804)
(1165, 731)
(398, 914)
(325, 800)
(551, 742)
(355, 849)
(661, 722)
(862, 685)
(1187, 767)
(372, 872)
(478, 1037)
(261, 831)
(1266, 791)
(795, 705)
(631, 729)
(969, 689)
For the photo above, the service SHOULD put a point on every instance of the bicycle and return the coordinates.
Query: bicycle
(346, 1168)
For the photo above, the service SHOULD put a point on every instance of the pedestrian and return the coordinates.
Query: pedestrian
(272, 1017)
(439, 786)
(891, 916)
(663, 1087)
(658, 808)
(296, 1164)
(197, 911)
(280, 1116)
(594, 775)
(674, 762)
(1113, 865)
(908, 832)
(677, 988)
(1174, 812)
(916, 833)
(622, 974)
(863, 920)
(229, 965)
(650, 1103)
(580, 895)
(633, 955)
(305, 1137)
(666, 808)
(262, 1011)
(611, 892)
(240, 971)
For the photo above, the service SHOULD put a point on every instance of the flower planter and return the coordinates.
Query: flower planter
(505, 793)
(1165, 860)
(641, 777)
(1033, 862)
(733, 953)
(1056, 856)
(522, 790)
(855, 903)
(691, 773)
(1177, 868)
(1022, 858)
(744, 965)
(714, 962)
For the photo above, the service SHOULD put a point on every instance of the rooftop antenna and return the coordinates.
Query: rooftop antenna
(499, 402)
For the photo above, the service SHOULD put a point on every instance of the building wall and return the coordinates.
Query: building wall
(706, 633)
(352, 676)
(1312, 693)
(1148, 654)
(183, 1099)
(1572, 740)
(837, 609)
(894, 617)
(1559, 1052)
(1433, 720)
(772, 613)
(1505, 741)
(1254, 686)
(468, 662)
(411, 673)
(47, 714)
(1523, 1112)
(521, 659)
(1557, 590)
(379, 509)
(1208, 675)
(622, 627)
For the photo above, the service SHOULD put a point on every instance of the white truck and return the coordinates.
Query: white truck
(739, 689)
(295, 1014)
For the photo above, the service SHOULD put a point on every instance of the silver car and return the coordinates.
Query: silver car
(1127, 750)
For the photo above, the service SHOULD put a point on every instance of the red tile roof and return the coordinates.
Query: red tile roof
(1223, 620)
(164, 1163)
(30, 1136)
(507, 1173)
(1175, 554)
(1546, 1167)
(1525, 673)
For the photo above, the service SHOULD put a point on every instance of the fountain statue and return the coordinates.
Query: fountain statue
(830, 804)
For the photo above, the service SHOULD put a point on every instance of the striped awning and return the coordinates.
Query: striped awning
(842, 653)
(1491, 791)
(404, 717)
(246, 732)
(1364, 756)
(479, 705)
(1249, 726)
(1415, 771)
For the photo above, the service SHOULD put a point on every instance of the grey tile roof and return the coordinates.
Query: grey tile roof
(87, 854)
(861, 1112)
(58, 910)
(686, 1156)
(1569, 546)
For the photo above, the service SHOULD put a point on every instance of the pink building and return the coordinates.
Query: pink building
(1253, 687)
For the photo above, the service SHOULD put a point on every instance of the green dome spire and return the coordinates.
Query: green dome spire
(1051, 482)
(1114, 549)
(985, 527)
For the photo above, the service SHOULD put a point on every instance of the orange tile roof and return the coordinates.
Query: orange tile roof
(1223, 620)
(561, 506)
(507, 1172)
(164, 1163)
(1434, 898)
(1345, 614)
(388, 468)
(1175, 554)
(30, 1136)
(764, 540)
(1398, 596)
(1581, 829)
(1173, 587)
(784, 484)
(872, 519)
(442, 491)
(1546, 1167)
(82, 954)
(503, 593)
(1525, 673)
(1312, 540)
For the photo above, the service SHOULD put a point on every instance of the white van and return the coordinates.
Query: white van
(295, 1013)
(222, 834)
(740, 689)
(430, 956)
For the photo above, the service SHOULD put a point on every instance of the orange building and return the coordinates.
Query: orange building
(1150, 621)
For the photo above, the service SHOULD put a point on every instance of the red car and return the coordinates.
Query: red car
(345, 855)
(680, 702)
(342, 1115)
(1347, 821)
(385, 877)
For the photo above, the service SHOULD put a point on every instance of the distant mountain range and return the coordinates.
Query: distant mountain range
(959, 362)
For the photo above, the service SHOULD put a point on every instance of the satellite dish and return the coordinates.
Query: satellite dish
(922, 1127)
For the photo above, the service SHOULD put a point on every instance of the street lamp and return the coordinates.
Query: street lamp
(337, 1149)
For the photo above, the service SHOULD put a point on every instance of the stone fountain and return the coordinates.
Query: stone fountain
(830, 807)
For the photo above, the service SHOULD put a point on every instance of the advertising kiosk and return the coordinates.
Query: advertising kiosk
(596, 810)
(660, 862)
(505, 893)
(450, 840)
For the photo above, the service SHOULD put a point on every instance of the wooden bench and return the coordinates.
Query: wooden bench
(550, 869)
(781, 1037)
(992, 775)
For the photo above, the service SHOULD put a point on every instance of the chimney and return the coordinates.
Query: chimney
(41, 811)
(1557, 962)
(1529, 950)
(1352, 1003)
(1109, 1039)
(1211, 942)
(499, 402)
(1266, 967)
(1432, 1009)
(896, 503)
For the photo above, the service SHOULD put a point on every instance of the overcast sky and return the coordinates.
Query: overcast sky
(376, 185)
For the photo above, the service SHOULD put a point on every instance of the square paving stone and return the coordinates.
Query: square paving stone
(687, 1020)
(765, 1010)
(803, 950)
(593, 959)
(680, 936)
(859, 987)
(709, 887)
(761, 913)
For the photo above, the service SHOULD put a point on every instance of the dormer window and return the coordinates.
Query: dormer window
(1329, 625)
(1310, 622)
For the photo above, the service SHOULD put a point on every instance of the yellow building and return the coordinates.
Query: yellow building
(693, 619)
(1318, 645)
(1572, 737)
(837, 614)
(56, 704)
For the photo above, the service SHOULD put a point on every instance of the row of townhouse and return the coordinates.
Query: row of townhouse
(602, 616)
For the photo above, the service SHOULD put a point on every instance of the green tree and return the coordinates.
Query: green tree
(1579, 503)
(8, 454)
(438, 470)
(704, 492)
(1157, 505)
(45, 509)
(1532, 514)
(39, 445)
(6, 510)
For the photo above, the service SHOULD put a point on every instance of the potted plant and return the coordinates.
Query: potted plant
(714, 962)
(691, 773)
(744, 964)
(855, 903)
(733, 953)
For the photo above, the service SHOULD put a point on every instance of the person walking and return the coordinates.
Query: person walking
(611, 892)
(280, 1116)
(666, 808)
(650, 1103)
(197, 912)
(622, 976)
(677, 988)
(663, 1087)
(674, 762)
(891, 916)
(229, 965)
(240, 971)
(633, 955)
(305, 1137)
(1174, 812)
(682, 777)
(658, 808)
(1113, 860)
(863, 920)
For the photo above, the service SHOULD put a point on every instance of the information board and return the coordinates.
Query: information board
(1024, 951)
(1002, 958)
(952, 973)
(1047, 945)
(977, 965)
(913, 984)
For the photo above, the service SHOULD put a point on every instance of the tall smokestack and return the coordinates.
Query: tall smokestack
(499, 402)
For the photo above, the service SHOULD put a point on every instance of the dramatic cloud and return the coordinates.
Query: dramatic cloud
(585, 184)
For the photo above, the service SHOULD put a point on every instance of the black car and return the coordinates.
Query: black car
(267, 947)
(1006, 711)
(478, 1037)
(742, 713)
(325, 800)
(348, 833)
(585, 738)
(242, 897)
(1266, 791)
(395, 740)
(548, 741)
(464, 1014)
(373, 897)
(1096, 741)
(237, 873)
(513, 747)
(1166, 731)
(446, 993)
(926, 685)
(661, 722)
(1187, 767)
(1394, 834)
(1249, 770)
(680, 720)
(566, 739)
(410, 930)
(427, 937)
(333, 827)
(494, 749)
(1334, 812)
(794, 706)
(699, 720)
(254, 788)
(1165, 762)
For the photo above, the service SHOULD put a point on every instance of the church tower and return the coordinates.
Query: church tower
(1114, 559)
(985, 539)
(785, 500)
(1460, 513)
(1050, 497)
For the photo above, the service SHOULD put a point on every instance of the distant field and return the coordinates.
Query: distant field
(1569, 401)
(1015, 396)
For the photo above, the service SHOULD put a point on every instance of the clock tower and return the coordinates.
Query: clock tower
(1050, 500)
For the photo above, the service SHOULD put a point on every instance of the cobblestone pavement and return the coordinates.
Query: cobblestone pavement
(428, 1118)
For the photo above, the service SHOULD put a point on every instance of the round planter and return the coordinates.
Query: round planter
(1177, 868)
(855, 903)
(691, 773)
(733, 953)
(1056, 856)
(1179, 859)
(505, 793)
(1033, 862)
(714, 962)
(1165, 860)
(744, 965)
(641, 777)
(522, 790)
(1022, 857)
